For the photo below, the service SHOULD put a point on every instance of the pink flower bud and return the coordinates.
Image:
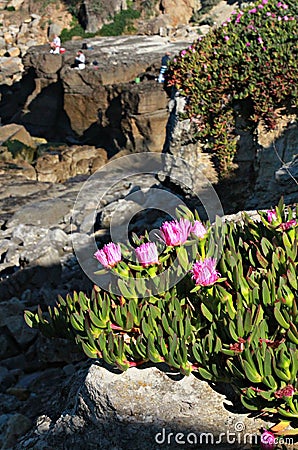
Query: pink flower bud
(286, 225)
(271, 215)
(147, 254)
(287, 391)
(109, 255)
(198, 229)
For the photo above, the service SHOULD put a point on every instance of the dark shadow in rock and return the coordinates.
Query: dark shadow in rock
(109, 138)
(13, 98)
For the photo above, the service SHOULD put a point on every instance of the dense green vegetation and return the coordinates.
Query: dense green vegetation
(75, 30)
(250, 61)
(122, 23)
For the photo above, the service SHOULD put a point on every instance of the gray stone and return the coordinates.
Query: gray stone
(288, 173)
(45, 213)
(11, 317)
(6, 378)
(144, 406)
(11, 427)
(29, 234)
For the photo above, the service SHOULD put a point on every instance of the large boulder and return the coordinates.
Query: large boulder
(14, 132)
(179, 11)
(143, 409)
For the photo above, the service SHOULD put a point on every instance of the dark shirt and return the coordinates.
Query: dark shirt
(164, 60)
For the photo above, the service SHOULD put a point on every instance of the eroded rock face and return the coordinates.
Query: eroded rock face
(179, 11)
(100, 105)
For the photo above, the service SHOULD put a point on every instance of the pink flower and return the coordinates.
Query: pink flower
(284, 6)
(286, 18)
(109, 255)
(204, 272)
(252, 11)
(286, 225)
(175, 233)
(226, 38)
(267, 440)
(264, 2)
(239, 17)
(260, 40)
(279, 4)
(147, 254)
(198, 229)
(248, 44)
(260, 6)
(183, 52)
(271, 215)
(268, 14)
(287, 391)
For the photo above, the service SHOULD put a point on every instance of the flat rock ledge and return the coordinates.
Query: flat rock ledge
(144, 408)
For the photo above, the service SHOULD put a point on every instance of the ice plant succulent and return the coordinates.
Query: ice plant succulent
(147, 254)
(109, 255)
(238, 63)
(204, 272)
(223, 305)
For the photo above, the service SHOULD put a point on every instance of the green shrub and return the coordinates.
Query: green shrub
(122, 23)
(10, 8)
(77, 30)
(20, 150)
(219, 300)
(251, 59)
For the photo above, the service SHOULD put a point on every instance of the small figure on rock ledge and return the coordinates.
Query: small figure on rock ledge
(80, 61)
(55, 44)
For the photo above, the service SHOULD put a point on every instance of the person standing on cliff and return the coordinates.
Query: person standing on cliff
(55, 44)
(164, 65)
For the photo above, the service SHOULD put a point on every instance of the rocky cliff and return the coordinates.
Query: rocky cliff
(103, 106)
(47, 388)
